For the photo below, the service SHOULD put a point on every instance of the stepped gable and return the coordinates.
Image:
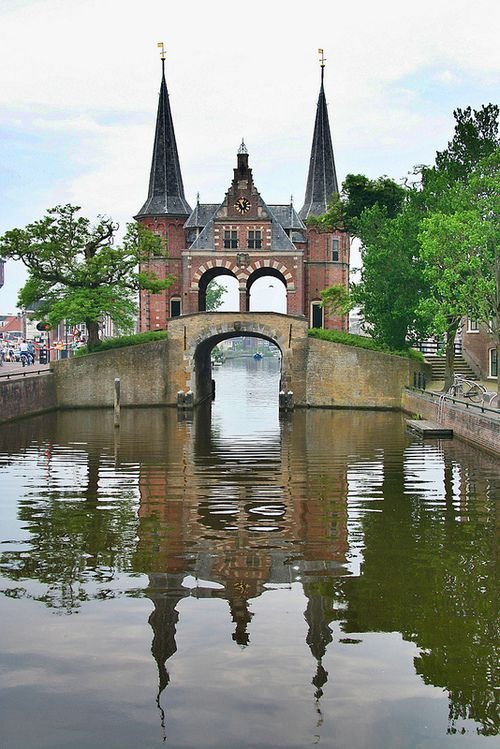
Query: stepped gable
(282, 217)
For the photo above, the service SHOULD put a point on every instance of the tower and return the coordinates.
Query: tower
(242, 236)
(326, 261)
(164, 212)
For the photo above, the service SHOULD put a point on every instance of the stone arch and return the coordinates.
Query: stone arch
(192, 337)
(272, 268)
(207, 272)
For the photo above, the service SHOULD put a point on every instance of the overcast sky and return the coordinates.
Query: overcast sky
(79, 82)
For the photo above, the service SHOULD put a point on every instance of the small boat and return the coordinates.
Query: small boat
(257, 356)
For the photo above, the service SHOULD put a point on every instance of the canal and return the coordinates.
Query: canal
(237, 579)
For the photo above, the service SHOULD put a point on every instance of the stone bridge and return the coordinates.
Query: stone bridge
(192, 338)
(319, 373)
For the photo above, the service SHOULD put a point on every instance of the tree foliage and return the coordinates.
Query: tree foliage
(358, 194)
(77, 273)
(429, 250)
(214, 296)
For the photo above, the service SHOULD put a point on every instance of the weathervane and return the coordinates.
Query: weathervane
(322, 60)
(162, 47)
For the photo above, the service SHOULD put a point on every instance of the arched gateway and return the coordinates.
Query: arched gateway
(192, 338)
(242, 236)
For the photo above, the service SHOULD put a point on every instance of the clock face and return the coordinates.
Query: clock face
(242, 205)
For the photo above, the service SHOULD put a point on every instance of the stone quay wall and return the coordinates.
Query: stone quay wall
(340, 376)
(321, 374)
(27, 396)
(476, 428)
(89, 381)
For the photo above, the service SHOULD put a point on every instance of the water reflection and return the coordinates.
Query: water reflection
(379, 532)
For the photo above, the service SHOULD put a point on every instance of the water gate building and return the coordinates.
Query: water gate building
(241, 236)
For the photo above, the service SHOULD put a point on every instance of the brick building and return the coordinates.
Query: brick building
(242, 236)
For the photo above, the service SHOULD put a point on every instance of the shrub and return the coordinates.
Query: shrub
(349, 339)
(124, 340)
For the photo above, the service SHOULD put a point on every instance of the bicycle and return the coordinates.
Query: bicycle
(462, 387)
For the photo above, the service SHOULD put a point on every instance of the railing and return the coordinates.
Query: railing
(442, 397)
(435, 348)
(24, 373)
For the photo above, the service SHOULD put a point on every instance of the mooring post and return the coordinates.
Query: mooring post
(117, 402)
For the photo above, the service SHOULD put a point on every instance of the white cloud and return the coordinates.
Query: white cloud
(86, 73)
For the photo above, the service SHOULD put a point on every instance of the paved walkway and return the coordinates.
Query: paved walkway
(15, 369)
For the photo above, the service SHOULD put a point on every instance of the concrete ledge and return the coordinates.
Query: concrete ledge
(474, 427)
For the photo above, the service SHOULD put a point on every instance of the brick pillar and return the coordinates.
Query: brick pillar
(243, 297)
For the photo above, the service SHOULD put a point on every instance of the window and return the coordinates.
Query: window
(335, 249)
(493, 363)
(230, 239)
(175, 308)
(254, 239)
(472, 326)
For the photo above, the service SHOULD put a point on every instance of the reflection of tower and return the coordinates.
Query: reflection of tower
(319, 636)
(238, 605)
(165, 591)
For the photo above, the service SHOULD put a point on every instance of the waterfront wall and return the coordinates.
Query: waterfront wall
(89, 381)
(27, 396)
(321, 373)
(341, 376)
(470, 424)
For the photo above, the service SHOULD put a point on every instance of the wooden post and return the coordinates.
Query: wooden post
(117, 402)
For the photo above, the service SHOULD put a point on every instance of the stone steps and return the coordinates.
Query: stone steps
(461, 367)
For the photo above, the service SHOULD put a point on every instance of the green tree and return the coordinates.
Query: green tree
(451, 257)
(359, 193)
(214, 296)
(77, 273)
(391, 283)
(475, 138)
(461, 256)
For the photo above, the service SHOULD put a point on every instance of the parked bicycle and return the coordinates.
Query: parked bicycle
(464, 388)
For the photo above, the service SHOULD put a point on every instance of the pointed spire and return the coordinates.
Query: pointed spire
(166, 190)
(322, 177)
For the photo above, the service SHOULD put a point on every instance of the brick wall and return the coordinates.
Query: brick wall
(472, 426)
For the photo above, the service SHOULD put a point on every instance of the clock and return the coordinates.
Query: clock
(242, 205)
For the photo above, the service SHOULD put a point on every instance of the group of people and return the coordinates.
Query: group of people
(24, 354)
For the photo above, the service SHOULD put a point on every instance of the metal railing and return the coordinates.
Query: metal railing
(23, 373)
(435, 348)
(441, 398)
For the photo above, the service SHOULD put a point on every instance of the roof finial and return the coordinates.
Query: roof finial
(322, 60)
(162, 54)
(242, 148)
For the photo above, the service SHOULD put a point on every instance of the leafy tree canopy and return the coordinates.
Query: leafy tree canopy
(359, 193)
(214, 296)
(77, 273)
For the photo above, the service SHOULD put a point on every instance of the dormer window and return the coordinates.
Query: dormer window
(254, 239)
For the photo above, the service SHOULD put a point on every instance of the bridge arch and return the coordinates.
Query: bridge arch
(192, 338)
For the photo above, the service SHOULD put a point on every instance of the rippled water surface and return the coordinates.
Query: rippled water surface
(237, 580)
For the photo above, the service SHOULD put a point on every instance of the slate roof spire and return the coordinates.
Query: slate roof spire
(166, 190)
(322, 177)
